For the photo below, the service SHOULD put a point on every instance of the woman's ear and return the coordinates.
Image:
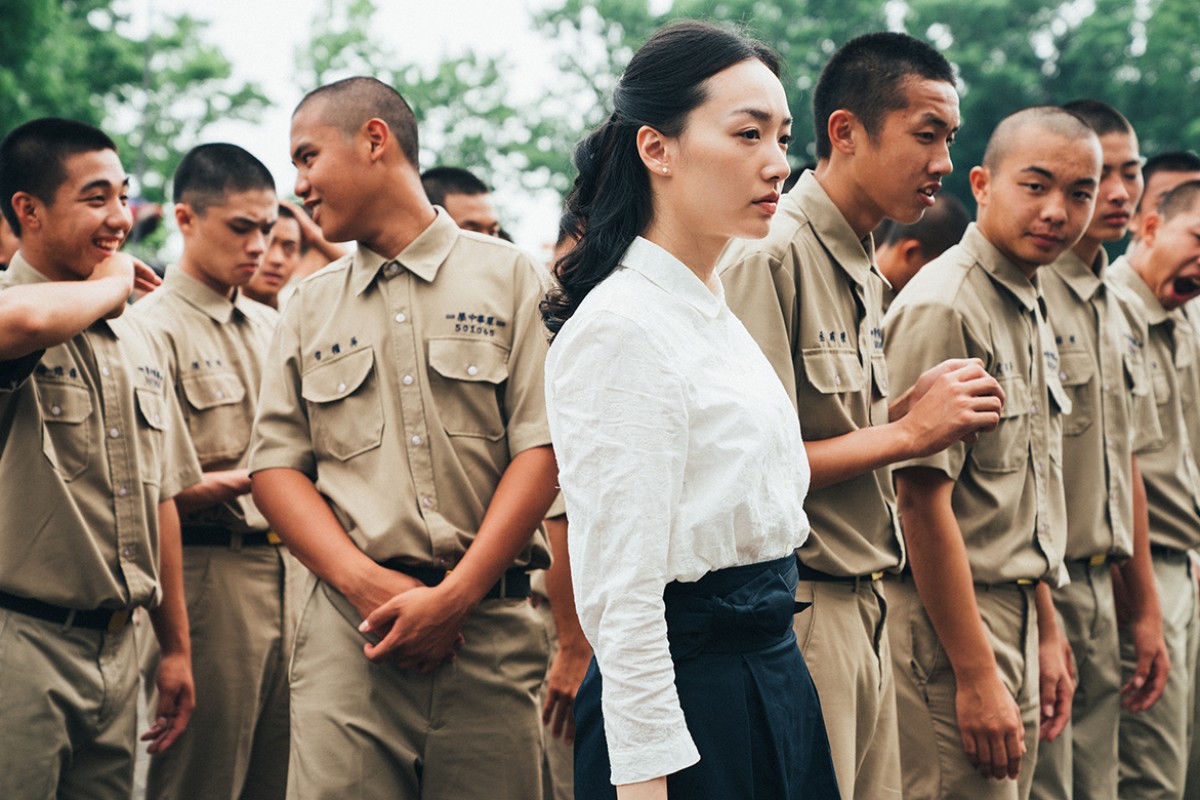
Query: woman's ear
(654, 150)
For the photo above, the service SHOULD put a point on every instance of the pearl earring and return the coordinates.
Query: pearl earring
(664, 170)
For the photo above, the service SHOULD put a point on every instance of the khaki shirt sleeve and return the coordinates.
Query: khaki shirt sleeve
(281, 435)
(762, 293)
(525, 389)
(916, 338)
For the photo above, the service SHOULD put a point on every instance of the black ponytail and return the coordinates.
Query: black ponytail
(610, 203)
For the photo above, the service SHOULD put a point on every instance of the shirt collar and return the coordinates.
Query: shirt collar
(670, 274)
(855, 256)
(195, 293)
(1079, 275)
(1000, 269)
(1123, 273)
(422, 257)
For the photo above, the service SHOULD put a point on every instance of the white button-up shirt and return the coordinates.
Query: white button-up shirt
(679, 454)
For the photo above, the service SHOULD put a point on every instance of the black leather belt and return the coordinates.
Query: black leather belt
(1167, 552)
(514, 583)
(221, 537)
(809, 574)
(100, 619)
(906, 575)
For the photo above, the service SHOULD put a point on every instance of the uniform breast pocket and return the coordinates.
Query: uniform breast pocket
(1077, 373)
(344, 405)
(467, 379)
(152, 424)
(218, 417)
(66, 433)
(1006, 449)
(834, 371)
(1160, 382)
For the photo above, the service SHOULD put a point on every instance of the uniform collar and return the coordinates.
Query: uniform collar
(670, 274)
(195, 293)
(1000, 269)
(1083, 280)
(855, 256)
(423, 256)
(1123, 273)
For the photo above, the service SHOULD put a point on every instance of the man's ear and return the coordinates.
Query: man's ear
(185, 218)
(30, 211)
(844, 129)
(377, 134)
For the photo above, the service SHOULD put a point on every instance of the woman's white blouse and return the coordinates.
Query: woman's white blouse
(679, 453)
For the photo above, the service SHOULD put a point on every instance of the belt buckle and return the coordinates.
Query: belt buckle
(118, 620)
(1098, 560)
(273, 538)
(877, 576)
(1025, 581)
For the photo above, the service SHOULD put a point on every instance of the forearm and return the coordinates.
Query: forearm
(560, 589)
(40, 316)
(526, 490)
(653, 789)
(169, 617)
(841, 458)
(1047, 618)
(1137, 574)
(214, 489)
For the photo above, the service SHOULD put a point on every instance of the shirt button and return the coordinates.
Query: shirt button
(443, 561)
(416, 440)
(1062, 376)
(56, 410)
(220, 395)
(407, 380)
(1033, 409)
(114, 432)
(837, 380)
(122, 491)
(472, 370)
(427, 502)
(127, 551)
(341, 388)
(158, 419)
(400, 317)
(104, 371)
(1106, 387)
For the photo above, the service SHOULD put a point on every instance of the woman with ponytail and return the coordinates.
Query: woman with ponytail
(680, 455)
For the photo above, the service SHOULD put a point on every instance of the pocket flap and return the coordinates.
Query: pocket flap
(334, 380)
(834, 371)
(150, 403)
(468, 360)
(1075, 367)
(63, 402)
(209, 389)
(1017, 399)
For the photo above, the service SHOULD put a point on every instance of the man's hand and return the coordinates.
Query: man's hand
(1153, 664)
(118, 270)
(145, 279)
(1056, 668)
(990, 723)
(956, 400)
(421, 629)
(562, 684)
(176, 701)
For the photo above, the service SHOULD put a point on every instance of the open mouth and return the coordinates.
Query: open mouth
(110, 244)
(1185, 287)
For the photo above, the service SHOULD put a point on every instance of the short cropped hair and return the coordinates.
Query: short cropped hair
(1183, 197)
(353, 102)
(1100, 117)
(211, 172)
(866, 77)
(33, 158)
(938, 229)
(1173, 161)
(442, 181)
(1053, 119)
(286, 212)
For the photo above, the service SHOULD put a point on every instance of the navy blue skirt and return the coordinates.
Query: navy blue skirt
(748, 699)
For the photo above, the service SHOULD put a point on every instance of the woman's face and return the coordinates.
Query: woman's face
(726, 166)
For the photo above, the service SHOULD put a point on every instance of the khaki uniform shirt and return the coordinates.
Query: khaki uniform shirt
(216, 349)
(809, 293)
(1102, 369)
(404, 387)
(1169, 469)
(971, 302)
(91, 441)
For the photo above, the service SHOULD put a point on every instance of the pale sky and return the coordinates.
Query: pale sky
(260, 38)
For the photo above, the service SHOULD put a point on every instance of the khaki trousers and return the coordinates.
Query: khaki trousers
(68, 711)
(1154, 743)
(843, 637)
(236, 746)
(468, 729)
(1082, 762)
(931, 753)
(558, 759)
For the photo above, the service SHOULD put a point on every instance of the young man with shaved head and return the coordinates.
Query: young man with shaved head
(93, 450)
(1160, 174)
(886, 111)
(1161, 275)
(234, 569)
(1101, 365)
(985, 522)
(401, 450)
(466, 199)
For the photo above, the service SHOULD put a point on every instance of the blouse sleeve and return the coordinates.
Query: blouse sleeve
(619, 422)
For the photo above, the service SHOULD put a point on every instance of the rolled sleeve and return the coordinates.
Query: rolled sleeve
(620, 428)
(524, 392)
(282, 437)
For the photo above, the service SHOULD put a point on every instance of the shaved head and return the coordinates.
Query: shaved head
(351, 103)
(1044, 119)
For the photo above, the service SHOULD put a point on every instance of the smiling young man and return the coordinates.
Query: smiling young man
(233, 567)
(886, 111)
(1101, 365)
(92, 451)
(1161, 275)
(985, 522)
(401, 450)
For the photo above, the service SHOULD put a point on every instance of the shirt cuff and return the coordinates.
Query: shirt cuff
(654, 761)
